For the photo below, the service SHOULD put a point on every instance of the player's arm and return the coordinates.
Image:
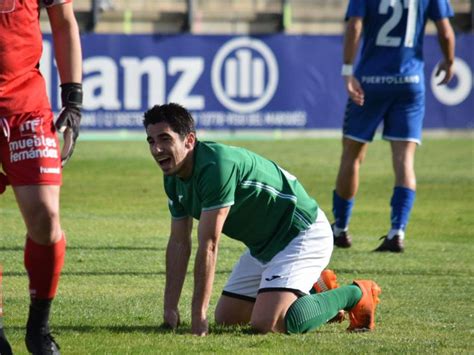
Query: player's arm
(352, 38)
(177, 259)
(209, 232)
(67, 43)
(446, 41)
(68, 54)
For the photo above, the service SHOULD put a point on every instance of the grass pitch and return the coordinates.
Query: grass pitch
(115, 214)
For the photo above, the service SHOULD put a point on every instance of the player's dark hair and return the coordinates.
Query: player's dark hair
(178, 118)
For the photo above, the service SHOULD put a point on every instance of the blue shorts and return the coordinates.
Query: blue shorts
(402, 115)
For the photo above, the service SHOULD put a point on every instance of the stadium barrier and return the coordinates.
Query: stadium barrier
(273, 81)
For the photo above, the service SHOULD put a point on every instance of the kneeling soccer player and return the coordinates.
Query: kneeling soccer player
(249, 198)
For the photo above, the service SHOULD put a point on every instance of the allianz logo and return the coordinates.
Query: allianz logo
(243, 76)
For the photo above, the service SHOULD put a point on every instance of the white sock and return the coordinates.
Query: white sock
(394, 232)
(337, 231)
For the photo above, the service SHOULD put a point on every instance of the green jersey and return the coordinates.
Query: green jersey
(268, 206)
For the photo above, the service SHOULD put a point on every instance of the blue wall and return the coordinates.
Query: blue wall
(272, 81)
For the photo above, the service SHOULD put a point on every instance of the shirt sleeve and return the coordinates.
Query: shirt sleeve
(439, 9)
(49, 3)
(217, 185)
(356, 8)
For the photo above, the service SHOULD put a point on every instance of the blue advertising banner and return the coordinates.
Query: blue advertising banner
(238, 82)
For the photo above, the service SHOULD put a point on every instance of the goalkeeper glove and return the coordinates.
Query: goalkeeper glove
(69, 118)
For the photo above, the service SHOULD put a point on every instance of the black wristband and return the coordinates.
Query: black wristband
(71, 94)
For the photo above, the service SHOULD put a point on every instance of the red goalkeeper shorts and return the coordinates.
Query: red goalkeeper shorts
(29, 149)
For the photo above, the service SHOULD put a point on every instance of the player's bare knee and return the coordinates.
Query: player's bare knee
(360, 158)
(352, 161)
(264, 326)
(226, 321)
(221, 318)
(44, 228)
(224, 318)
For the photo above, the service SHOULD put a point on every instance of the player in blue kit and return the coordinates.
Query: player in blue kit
(234, 191)
(387, 87)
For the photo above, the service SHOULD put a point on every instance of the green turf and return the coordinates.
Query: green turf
(115, 215)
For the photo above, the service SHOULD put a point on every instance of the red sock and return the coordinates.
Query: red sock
(44, 264)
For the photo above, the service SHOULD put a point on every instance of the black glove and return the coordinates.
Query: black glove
(69, 118)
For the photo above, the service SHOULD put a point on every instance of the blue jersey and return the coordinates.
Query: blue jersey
(392, 50)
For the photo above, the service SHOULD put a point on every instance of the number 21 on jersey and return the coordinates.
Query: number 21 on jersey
(383, 37)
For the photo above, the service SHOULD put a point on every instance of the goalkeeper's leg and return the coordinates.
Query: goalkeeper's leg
(44, 258)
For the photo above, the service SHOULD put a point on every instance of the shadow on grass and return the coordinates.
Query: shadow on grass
(340, 271)
(398, 272)
(111, 248)
(184, 329)
(112, 273)
(100, 247)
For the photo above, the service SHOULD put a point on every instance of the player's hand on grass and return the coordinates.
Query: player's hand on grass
(446, 67)
(200, 327)
(69, 118)
(171, 318)
(354, 89)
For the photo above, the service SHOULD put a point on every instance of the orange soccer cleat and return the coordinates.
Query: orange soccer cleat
(328, 281)
(362, 316)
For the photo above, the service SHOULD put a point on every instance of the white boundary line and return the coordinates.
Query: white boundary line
(277, 134)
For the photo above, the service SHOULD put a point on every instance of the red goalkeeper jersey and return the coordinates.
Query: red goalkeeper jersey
(22, 87)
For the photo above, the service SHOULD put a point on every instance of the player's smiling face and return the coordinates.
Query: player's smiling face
(173, 153)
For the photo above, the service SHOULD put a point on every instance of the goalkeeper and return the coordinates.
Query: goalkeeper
(30, 156)
(251, 199)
